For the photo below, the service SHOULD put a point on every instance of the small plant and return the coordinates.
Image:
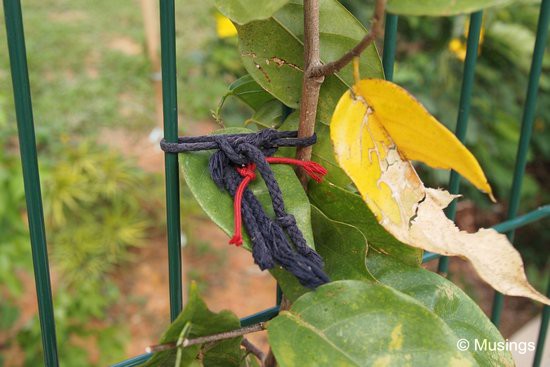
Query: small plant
(93, 199)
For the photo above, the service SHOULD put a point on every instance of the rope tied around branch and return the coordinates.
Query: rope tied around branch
(232, 167)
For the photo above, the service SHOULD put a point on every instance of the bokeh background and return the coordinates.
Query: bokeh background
(95, 88)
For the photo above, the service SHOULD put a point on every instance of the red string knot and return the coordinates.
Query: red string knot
(248, 170)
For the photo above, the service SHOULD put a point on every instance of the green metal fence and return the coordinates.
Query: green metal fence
(25, 125)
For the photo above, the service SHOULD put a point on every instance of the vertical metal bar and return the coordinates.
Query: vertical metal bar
(170, 115)
(476, 19)
(390, 41)
(526, 130)
(29, 160)
(278, 295)
(542, 332)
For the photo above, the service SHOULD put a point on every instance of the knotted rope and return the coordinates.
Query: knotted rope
(233, 167)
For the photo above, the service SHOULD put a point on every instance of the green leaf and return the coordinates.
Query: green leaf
(218, 204)
(355, 323)
(272, 52)
(247, 90)
(322, 152)
(343, 247)
(346, 207)
(250, 361)
(446, 300)
(269, 115)
(200, 321)
(440, 7)
(244, 11)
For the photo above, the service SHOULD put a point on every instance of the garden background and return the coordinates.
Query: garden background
(94, 87)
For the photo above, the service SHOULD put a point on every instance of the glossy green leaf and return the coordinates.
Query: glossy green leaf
(248, 91)
(268, 115)
(272, 52)
(356, 323)
(244, 11)
(446, 300)
(343, 247)
(346, 207)
(440, 7)
(218, 204)
(322, 152)
(201, 321)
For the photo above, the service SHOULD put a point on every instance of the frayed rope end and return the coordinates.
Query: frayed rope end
(236, 240)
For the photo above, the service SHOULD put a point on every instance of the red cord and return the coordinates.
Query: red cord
(314, 170)
(248, 173)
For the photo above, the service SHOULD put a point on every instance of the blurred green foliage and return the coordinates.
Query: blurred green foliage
(95, 213)
(89, 71)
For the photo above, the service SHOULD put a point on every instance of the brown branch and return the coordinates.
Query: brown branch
(376, 31)
(314, 76)
(270, 360)
(251, 348)
(208, 339)
(315, 71)
(310, 85)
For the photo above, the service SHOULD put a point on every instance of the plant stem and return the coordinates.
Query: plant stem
(375, 32)
(270, 360)
(208, 339)
(315, 71)
(310, 85)
(254, 350)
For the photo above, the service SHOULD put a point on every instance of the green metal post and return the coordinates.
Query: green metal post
(542, 331)
(526, 130)
(390, 42)
(31, 178)
(171, 168)
(476, 19)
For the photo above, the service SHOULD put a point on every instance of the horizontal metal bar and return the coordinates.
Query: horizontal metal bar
(506, 226)
(429, 256)
(517, 222)
(264, 315)
(135, 361)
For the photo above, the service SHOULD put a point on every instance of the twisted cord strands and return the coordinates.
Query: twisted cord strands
(275, 241)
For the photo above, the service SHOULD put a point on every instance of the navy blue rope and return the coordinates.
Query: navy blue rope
(278, 241)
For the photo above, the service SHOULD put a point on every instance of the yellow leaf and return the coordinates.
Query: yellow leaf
(417, 133)
(224, 27)
(375, 129)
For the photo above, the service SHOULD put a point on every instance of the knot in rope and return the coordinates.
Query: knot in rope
(247, 171)
(232, 167)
